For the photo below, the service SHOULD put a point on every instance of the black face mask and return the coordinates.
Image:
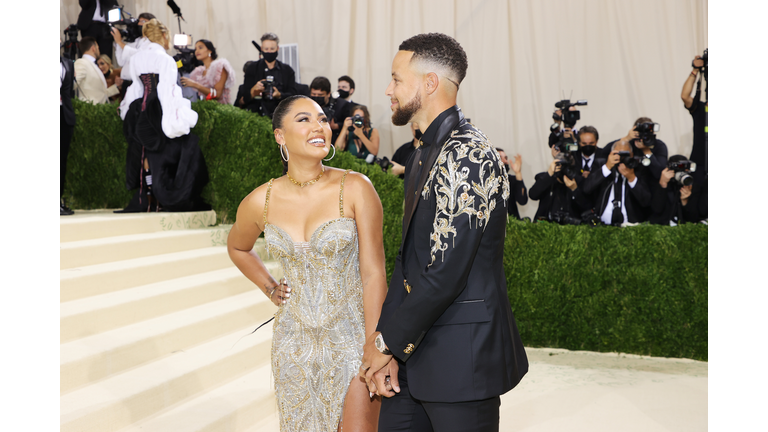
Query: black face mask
(588, 150)
(417, 134)
(270, 57)
(343, 93)
(319, 99)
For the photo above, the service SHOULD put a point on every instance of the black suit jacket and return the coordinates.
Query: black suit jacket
(638, 198)
(455, 330)
(284, 81)
(519, 192)
(667, 207)
(67, 91)
(88, 8)
(554, 196)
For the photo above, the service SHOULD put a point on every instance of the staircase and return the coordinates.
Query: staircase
(153, 315)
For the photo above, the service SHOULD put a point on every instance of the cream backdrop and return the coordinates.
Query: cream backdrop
(629, 58)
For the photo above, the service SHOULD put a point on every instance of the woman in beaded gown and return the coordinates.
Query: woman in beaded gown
(324, 225)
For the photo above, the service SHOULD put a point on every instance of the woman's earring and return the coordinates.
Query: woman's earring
(334, 153)
(209, 54)
(285, 156)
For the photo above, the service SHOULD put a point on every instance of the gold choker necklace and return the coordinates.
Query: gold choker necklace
(306, 183)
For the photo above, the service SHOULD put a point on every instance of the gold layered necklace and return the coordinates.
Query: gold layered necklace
(307, 183)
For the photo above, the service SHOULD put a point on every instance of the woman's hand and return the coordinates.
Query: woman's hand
(347, 122)
(186, 82)
(281, 293)
(359, 132)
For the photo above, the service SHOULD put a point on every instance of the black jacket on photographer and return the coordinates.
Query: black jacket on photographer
(668, 209)
(518, 192)
(658, 158)
(98, 30)
(284, 80)
(555, 197)
(636, 200)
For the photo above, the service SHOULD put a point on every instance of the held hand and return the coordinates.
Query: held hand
(632, 134)
(629, 173)
(666, 175)
(281, 294)
(697, 63)
(373, 361)
(567, 132)
(613, 159)
(276, 93)
(257, 89)
(117, 37)
(347, 122)
(553, 168)
(517, 165)
(386, 381)
(359, 132)
(571, 184)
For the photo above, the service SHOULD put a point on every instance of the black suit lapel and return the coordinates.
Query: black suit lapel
(410, 197)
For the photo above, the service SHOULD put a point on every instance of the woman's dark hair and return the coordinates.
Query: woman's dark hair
(277, 118)
(366, 116)
(208, 44)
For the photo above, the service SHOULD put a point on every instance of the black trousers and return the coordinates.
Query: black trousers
(101, 32)
(65, 137)
(404, 413)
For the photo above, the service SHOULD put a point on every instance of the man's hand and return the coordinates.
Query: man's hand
(613, 159)
(397, 169)
(386, 381)
(567, 132)
(585, 174)
(685, 193)
(257, 89)
(553, 168)
(632, 134)
(117, 37)
(641, 146)
(697, 63)
(373, 361)
(629, 173)
(517, 166)
(666, 175)
(571, 184)
(276, 93)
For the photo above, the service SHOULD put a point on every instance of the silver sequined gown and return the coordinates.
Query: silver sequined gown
(318, 338)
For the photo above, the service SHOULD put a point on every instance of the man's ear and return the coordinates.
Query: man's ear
(351, 91)
(430, 82)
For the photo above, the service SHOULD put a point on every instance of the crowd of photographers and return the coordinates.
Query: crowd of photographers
(628, 181)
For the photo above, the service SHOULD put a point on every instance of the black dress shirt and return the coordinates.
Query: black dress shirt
(404, 153)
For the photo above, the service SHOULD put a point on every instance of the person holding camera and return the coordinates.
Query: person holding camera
(557, 128)
(400, 158)
(621, 196)
(357, 136)
(320, 92)
(91, 84)
(677, 195)
(268, 79)
(645, 145)
(560, 197)
(92, 22)
(516, 185)
(698, 106)
(214, 79)
(125, 50)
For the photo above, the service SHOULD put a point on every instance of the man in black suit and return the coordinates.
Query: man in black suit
(92, 21)
(559, 196)
(259, 73)
(446, 319)
(676, 196)
(621, 196)
(66, 124)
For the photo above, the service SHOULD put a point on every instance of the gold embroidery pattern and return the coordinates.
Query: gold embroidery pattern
(458, 191)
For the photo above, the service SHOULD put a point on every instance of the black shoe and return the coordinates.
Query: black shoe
(64, 210)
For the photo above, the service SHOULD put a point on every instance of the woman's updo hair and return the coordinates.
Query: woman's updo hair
(277, 118)
(156, 32)
(208, 44)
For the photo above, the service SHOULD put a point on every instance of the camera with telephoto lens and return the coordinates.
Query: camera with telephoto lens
(628, 160)
(357, 121)
(647, 133)
(567, 164)
(682, 169)
(568, 117)
(132, 30)
(269, 86)
(70, 42)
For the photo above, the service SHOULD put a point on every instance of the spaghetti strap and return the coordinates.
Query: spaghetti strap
(266, 202)
(341, 194)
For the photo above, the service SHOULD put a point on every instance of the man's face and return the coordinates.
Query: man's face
(504, 158)
(269, 46)
(343, 85)
(403, 91)
(95, 51)
(587, 139)
(143, 21)
(319, 93)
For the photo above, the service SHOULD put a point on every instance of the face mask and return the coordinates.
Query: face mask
(319, 99)
(588, 150)
(417, 134)
(343, 93)
(270, 57)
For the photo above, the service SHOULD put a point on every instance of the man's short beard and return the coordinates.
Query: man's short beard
(402, 116)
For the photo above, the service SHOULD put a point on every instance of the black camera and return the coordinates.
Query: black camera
(568, 117)
(384, 163)
(70, 42)
(647, 133)
(681, 169)
(132, 30)
(589, 218)
(628, 160)
(568, 167)
(357, 121)
(269, 86)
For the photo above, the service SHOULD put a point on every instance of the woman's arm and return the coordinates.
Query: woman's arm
(371, 144)
(240, 243)
(341, 140)
(369, 216)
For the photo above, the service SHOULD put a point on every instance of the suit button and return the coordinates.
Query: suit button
(408, 349)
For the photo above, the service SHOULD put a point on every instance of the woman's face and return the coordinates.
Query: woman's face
(103, 66)
(305, 131)
(201, 51)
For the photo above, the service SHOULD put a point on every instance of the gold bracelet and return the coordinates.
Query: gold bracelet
(274, 288)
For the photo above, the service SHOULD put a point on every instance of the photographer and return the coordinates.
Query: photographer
(697, 106)
(516, 185)
(125, 50)
(346, 88)
(92, 22)
(560, 197)
(357, 136)
(621, 195)
(677, 195)
(320, 92)
(268, 79)
(645, 145)
(567, 131)
(400, 158)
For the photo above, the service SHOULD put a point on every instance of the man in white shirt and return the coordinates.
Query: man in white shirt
(91, 84)
(125, 50)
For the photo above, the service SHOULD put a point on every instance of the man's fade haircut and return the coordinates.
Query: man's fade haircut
(270, 36)
(439, 49)
(321, 83)
(348, 79)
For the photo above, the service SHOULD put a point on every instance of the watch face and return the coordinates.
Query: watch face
(646, 162)
(379, 343)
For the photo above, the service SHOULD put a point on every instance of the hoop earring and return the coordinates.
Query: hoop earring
(285, 156)
(334, 153)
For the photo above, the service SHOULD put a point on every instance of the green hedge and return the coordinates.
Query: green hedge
(640, 290)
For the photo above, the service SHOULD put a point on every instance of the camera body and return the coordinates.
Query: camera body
(357, 121)
(70, 42)
(631, 162)
(569, 119)
(682, 169)
(647, 133)
(567, 163)
(185, 60)
(132, 29)
(269, 86)
(384, 162)
(588, 218)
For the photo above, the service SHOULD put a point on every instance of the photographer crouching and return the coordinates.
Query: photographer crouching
(677, 195)
(357, 136)
(560, 198)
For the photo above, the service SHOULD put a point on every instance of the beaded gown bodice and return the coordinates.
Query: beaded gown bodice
(318, 335)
